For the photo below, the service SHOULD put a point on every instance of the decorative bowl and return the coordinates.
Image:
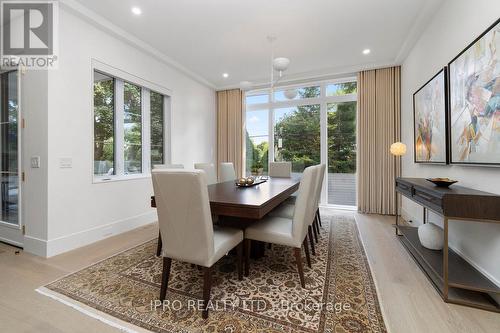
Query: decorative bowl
(442, 182)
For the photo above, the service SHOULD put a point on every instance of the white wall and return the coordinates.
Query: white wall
(456, 24)
(79, 211)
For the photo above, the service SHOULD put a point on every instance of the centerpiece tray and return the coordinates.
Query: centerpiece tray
(255, 183)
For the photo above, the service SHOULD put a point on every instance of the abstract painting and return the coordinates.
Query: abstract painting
(475, 101)
(429, 110)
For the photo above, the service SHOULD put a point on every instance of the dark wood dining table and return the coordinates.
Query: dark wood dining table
(250, 203)
(240, 206)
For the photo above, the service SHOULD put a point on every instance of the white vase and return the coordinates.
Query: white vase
(431, 236)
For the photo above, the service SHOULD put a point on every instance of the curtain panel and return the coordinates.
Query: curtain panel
(230, 128)
(379, 125)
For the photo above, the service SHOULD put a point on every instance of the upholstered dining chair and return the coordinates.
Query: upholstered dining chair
(227, 172)
(164, 166)
(186, 227)
(285, 231)
(168, 166)
(280, 169)
(210, 172)
(287, 209)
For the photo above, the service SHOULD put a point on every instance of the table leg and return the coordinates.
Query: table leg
(397, 215)
(425, 215)
(445, 260)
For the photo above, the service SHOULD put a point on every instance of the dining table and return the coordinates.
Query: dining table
(238, 207)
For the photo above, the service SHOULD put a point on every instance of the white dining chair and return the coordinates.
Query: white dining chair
(186, 227)
(280, 169)
(288, 231)
(168, 166)
(227, 172)
(287, 209)
(210, 173)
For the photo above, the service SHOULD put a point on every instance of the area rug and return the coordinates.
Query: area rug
(340, 295)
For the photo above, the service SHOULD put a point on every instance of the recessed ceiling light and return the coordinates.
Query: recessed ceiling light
(225, 75)
(136, 10)
(366, 51)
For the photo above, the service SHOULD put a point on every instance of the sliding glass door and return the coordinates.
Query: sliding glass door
(307, 125)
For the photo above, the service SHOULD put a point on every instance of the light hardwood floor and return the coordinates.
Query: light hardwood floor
(409, 302)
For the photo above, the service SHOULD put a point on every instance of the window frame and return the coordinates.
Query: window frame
(323, 100)
(120, 77)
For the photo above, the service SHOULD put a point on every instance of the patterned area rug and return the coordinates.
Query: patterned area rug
(339, 297)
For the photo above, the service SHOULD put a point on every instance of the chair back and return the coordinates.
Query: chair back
(226, 172)
(280, 169)
(321, 177)
(168, 166)
(210, 173)
(184, 214)
(305, 204)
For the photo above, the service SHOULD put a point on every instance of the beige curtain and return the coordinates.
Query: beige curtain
(230, 128)
(379, 112)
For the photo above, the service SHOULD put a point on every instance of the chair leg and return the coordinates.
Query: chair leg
(315, 230)
(207, 286)
(306, 249)
(248, 246)
(319, 218)
(298, 259)
(167, 263)
(239, 251)
(311, 240)
(159, 246)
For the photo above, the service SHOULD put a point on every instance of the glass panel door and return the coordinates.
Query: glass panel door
(9, 159)
(297, 137)
(342, 153)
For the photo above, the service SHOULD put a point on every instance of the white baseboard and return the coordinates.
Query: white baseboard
(35, 246)
(73, 241)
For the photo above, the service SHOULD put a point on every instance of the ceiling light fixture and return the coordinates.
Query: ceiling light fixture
(225, 75)
(279, 65)
(136, 11)
(366, 51)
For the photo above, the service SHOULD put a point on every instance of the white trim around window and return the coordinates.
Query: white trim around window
(120, 77)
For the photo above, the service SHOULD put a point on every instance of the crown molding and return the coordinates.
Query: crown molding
(112, 29)
(419, 26)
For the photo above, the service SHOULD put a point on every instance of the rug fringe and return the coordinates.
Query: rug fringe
(47, 292)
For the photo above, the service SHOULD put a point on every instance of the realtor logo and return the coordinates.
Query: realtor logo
(28, 36)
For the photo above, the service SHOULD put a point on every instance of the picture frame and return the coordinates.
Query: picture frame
(430, 123)
(474, 101)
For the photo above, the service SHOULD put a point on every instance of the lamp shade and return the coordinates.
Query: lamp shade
(398, 149)
(281, 64)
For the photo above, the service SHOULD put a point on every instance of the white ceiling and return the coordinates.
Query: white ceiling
(321, 37)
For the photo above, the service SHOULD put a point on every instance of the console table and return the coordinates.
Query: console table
(454, 278)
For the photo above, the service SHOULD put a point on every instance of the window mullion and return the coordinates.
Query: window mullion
(119, 130)
(146, 130)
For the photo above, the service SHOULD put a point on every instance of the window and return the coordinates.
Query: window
(157, 131)
(297, 136)
(307, 125)
(104, 124)
(257, 141)
(129, 127)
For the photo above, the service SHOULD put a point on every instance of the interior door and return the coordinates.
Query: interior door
(10, 174)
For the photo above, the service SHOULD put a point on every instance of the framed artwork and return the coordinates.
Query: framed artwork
(429, 119)
(474, 102)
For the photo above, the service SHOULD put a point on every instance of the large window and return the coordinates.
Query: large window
(104, 124)
(157, 129)
(311, 124)
(129, 127)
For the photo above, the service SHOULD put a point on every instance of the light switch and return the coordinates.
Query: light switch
(66, 163)
(35, 162)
